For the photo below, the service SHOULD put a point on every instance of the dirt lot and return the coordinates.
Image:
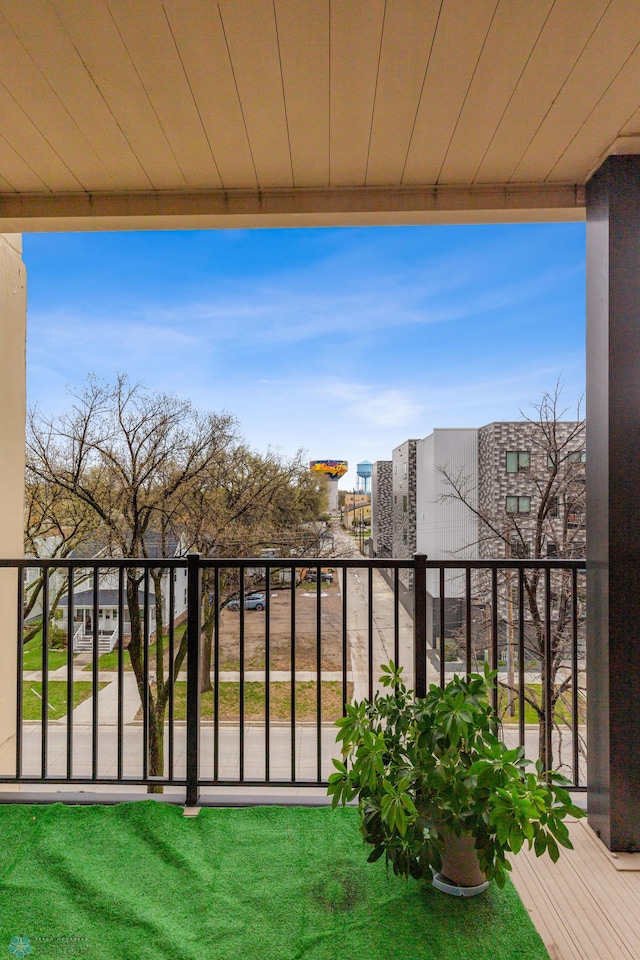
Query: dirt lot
(279, 628)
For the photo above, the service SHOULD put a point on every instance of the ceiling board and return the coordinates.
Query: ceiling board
(512, 37)
(274, 100)
(5, 187)
(409, 26)
(632, 126)
(197, 30)
(147, 36)
(27, 141)
(22, 77)
(303, 39)
(565, 34)
(16, 172)
(111, 69)
(460, 36)
(604, 123)
(608, 49)
(51, 48)
(255, 58)
(356, 33)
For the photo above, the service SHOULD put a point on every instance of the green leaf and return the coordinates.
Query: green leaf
(515, 839)
(552, 847)
(540, 844)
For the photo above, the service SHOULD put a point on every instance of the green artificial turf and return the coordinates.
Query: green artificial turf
(140, 880)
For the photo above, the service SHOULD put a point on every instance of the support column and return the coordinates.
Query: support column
(613, 502)
(12, 455)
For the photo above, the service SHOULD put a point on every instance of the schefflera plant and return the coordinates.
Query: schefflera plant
(424, 769)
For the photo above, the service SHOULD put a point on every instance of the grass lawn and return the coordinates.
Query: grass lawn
(254, 701)
(56, 698)
(109, 661)
(141, 880)
(33, 655)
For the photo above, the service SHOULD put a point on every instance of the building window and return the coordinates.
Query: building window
(575, 519)
(518, 504)
(404, 536)
(404, 504)
(576, 456)
(518, 461)
(404, 469)
(395, 469)
(519, 549)
(554, 506)
(552, 550)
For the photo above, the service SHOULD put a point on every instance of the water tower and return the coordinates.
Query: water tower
(364, 471)
(333, 469)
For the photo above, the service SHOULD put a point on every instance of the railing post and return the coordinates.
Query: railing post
(420, 624)
(194, 584)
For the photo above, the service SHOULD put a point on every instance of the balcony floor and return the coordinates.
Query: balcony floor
(587, 905)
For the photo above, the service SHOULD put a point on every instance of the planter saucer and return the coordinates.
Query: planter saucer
(453, 889)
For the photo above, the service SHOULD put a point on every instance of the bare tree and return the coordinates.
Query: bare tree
(55, 525)
(241, 504)
(147, 468)
(128, 455)
(553, 528)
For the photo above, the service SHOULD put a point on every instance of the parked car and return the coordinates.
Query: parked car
(312, 576)
(253, 601)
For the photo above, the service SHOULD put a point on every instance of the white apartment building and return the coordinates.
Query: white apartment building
(445, 527)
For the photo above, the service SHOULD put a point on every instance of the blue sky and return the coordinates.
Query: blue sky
(344, 342)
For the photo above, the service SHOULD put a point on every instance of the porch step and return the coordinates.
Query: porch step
(85, 645)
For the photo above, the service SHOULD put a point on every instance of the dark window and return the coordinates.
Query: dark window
(520, 550)
(518, 504)
(518, 460)
(554, 506)
(404, 504)
(575, 519)
(552, 549)
(576, 456)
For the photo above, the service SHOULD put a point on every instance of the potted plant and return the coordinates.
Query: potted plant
(438, 788)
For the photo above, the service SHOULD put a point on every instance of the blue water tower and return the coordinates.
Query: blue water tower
(364, 471)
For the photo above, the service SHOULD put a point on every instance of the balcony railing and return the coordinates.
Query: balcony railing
(279, 669)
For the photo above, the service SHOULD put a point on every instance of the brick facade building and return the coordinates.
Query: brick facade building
(403, 506)
(381, 500)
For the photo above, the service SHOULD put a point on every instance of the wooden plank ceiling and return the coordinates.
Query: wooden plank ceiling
(310, 110)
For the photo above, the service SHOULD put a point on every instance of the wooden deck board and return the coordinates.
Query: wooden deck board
(583, 907)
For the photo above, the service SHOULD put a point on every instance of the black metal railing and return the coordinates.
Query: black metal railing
(210, 685)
